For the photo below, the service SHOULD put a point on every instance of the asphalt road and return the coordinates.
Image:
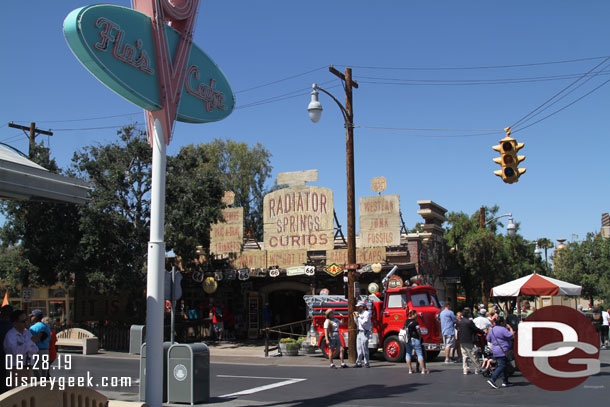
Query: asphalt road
(384, 384)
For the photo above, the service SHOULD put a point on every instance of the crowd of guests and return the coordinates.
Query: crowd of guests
(483, 340)
(28, 346)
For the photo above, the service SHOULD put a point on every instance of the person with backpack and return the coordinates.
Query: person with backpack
(217, 317)
(413, 342)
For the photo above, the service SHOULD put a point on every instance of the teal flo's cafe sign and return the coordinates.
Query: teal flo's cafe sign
(116, 45)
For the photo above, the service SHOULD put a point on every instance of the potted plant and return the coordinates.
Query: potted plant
(305, 345)
(289, 347)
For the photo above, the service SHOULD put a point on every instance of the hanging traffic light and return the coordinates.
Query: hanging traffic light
(509, 160)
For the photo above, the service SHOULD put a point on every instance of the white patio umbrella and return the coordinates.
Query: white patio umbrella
(535, 284)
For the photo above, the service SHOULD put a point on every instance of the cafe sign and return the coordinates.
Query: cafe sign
(116, 44)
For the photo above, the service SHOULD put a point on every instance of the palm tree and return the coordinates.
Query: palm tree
(545, 243)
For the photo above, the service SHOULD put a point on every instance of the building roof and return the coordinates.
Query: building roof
(23, 179)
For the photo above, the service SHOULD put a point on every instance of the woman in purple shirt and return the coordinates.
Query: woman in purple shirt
(501, 338)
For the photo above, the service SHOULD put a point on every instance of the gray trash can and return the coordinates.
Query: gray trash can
(188, 373)
(137, 334)
(166, 346)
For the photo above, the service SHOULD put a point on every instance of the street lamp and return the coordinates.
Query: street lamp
(315, 112)
(511, 228)
(538, 251)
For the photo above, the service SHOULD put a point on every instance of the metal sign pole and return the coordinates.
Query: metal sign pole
(173, 302)
(155, 300)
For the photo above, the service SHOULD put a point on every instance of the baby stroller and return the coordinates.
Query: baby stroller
(491, 366)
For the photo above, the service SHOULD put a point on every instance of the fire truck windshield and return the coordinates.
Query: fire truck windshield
(424, 300)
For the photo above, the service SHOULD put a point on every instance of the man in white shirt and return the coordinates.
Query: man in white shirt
(605, 328)
(482, 322)
(365, 328)
(19, 347)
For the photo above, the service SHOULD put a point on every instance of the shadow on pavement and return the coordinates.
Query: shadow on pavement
(366, 392)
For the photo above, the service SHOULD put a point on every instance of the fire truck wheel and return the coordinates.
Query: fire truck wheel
(324, 348)
(393, 349)
(431, 355)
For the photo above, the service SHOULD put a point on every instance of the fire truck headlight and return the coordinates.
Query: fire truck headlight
(438, 317)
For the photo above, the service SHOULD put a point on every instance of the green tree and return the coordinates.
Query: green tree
(546, 244)
(243, 170)
(115, 222)
(193, 203)
(46, 234)
(587, 264)
(484, 257)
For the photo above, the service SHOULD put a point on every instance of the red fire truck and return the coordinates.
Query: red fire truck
(389, 315)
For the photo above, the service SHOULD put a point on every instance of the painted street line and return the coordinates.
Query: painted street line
(285, 381)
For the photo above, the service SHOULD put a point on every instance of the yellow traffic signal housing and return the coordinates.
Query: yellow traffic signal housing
(509, 160)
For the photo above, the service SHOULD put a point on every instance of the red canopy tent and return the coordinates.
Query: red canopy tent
(535, 284)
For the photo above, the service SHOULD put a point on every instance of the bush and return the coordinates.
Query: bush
(290, 343)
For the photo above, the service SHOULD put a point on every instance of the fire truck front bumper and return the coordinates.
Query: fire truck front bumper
(432, 346)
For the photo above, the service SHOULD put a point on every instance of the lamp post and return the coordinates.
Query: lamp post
(315, 112)
(511, 230)
(538, 251)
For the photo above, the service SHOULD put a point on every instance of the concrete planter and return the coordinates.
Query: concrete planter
(289, 349)
(308, 350)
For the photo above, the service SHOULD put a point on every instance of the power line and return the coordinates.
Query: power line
(559, 93)
(471, 67)
(563, 108)
(82, 120)
(97, 128)
(281, 80)
(405, 81)
(289, 95)
(560, 98)
(382, 130)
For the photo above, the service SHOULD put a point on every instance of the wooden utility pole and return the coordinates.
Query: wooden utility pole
(351, 209)
(33, 133)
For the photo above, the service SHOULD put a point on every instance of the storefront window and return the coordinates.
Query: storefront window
(57, 293)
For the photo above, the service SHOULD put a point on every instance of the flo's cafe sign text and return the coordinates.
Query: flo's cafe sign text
(116, 45)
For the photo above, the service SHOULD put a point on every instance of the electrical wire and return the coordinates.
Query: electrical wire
(532, 116)
(557, 94)
(404, 81)
(564, 107)
(98, 128)
(289, 95)
(13, 138)
(492, 133)
(471, 67)
(80, 120)
(281, 80)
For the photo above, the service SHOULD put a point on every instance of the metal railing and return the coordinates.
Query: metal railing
(282, 330)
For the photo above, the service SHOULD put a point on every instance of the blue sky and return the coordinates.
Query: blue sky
(562, 195)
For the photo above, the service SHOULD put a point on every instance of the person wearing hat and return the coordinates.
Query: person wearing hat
(331, 334)
(41, 335)
(365, 329)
